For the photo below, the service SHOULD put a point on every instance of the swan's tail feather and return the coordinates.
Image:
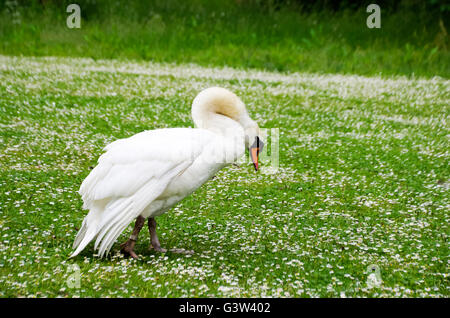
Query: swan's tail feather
(111, 231)
(89, 227)
(89, 236)
(108, 218)
(80, 235)
(114, 233)
(107, 222)
(129, 209)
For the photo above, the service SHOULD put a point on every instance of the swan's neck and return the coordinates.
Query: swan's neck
(231, 146)
(218, 110)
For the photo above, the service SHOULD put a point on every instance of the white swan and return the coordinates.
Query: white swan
(145, 175)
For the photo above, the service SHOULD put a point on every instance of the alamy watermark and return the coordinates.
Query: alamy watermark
(270, 154)
(373, 276)
(374, 19)
(73, 21)
(73, 280)
(230, 149)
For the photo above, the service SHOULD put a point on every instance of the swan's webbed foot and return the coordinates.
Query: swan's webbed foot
(127, 248)
(158, 248)
(155, 241)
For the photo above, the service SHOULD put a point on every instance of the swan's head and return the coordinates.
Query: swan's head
(212, 109)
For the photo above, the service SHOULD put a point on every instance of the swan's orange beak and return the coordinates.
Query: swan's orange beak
(255, 149)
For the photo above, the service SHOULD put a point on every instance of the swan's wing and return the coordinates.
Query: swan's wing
(128, 164)
(129, 176)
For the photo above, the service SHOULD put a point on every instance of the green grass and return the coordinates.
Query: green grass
(363, 179)
(240, 34)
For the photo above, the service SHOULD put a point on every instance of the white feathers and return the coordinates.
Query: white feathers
(129, 176)
(151, 171)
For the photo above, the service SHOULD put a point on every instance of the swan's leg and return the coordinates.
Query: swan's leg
(127, 248)
(154, 237)
(155, 241)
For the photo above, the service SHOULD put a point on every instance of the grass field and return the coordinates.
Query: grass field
(363, 180)
(412, 40)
